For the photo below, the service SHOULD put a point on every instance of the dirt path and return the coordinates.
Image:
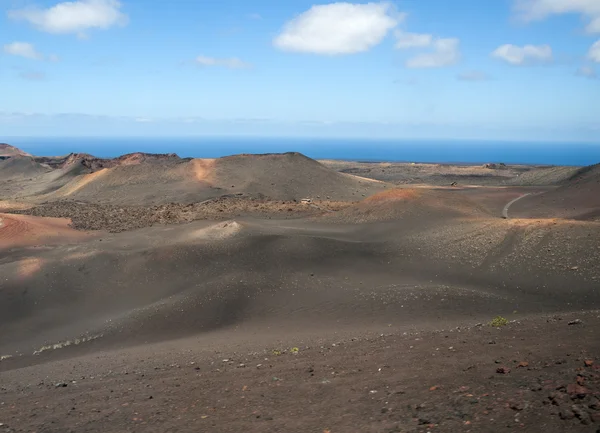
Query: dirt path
(510, 203)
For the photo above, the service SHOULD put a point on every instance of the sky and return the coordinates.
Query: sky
(494, 69)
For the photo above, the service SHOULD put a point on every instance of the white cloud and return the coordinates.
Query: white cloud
(445, 53)
(338, 28)
(594, 25)
(27, 50)
(588, 72)
(531, 10)
(473, 76)
(255, 16)
(23, 49)
(594, 53)
(231, 63)
(74, 16)
(412, 40)
(523, 55)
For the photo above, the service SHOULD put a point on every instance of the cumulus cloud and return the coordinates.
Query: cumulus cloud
(406, 40)
(73, 16)
(587, 72)
(531, 10)
(523, 55)
(338, 28)
(231, 63)
(594, 53)
(23, 49)
(473, 76)
(445, 53)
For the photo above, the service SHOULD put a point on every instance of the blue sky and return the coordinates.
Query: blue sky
(495, 69)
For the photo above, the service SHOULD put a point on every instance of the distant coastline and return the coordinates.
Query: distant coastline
(417, 151)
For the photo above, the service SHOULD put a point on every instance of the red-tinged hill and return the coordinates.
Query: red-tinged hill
(417, 204)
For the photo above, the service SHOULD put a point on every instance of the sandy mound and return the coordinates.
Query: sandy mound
(25, 230)
(405, 203)
(577, 198)
(222, 230)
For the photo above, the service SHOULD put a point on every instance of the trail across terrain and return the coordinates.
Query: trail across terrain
(510, 203)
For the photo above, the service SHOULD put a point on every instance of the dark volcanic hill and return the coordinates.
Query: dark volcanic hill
(19, 167)
(7, 151)
(150, 179)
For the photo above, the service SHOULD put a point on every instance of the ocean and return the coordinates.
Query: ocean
(433, 151)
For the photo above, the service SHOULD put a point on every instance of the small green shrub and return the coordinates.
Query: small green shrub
(498, 322)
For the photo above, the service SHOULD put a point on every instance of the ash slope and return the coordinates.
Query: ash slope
(299, 277)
